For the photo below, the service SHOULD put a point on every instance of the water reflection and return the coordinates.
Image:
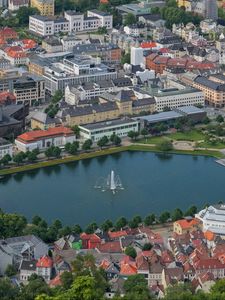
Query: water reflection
(164, 156)
(48, 171)
(33, 173)
(86, 162)
(18, 177)
(5, 179)
(57, 169)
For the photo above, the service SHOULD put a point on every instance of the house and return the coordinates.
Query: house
(185, 225)
(52, 44)
(90, 241)
(7, 33)
(43, 139)
(110, 247)
(5, 148)
(14, 5)
(127, 267)
(213, 265)
(7, 98)
(26, 269)
(16, 55)
(41, 120)
(172, 276)
(206, 281)
(44, 267)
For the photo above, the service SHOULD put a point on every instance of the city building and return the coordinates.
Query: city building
(174, 98)
(16, 55)
(7, 98)
(8, 33)
(76, 70)
(120, 127)
(213, 219)
(206, 8)
(29, 89)
(136, 30)
(27, 268)
(5, 148)
(41, 120)
(7, 79)
(52, 44)
(43, 139)
(14, 5)
(69, 42)
(44, 267)
(71, 22)
(214, 92)
(185, 225)
(45, 7)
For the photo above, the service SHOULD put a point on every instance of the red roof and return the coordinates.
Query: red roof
(29, 44)
(8, 32)
(92, 237)
(210, 263)
(104, 264)
(44, 262)
(55, 281)
(110, 247)
(35, 135)
(209, 235)
(128, 266)
(148, 45)
(7, 96)
(164, 50)
(185, 224)
(15, 52)
(117, 234)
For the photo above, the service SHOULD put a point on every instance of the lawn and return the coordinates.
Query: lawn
(209, 145)
(192, 135)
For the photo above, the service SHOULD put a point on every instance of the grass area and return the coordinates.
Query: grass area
(193, 135)
(134, 147)
(209, 145)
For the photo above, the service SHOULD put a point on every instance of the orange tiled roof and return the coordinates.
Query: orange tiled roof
(44, 262)
(39, 134)
(56, 281)
(28, 43)
(4, 96)
(209, 235)
(117, 234)
(15, 52)
(185, 224)
(148, 45)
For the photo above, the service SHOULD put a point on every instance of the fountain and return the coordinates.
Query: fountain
(112, 182)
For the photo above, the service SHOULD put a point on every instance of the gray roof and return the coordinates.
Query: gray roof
(101, 13)
(210, 84)
(4, 142)
(108, 123)
(160, 117)
(124, 95)
(43, 118)
(144, 101)
(29, 265)
(219, 76)
(190, 110)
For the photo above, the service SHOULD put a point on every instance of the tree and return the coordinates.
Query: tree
(10, 271)
(73, 148)
(24, 12)
(179, 292)
(125, 59)
(129, 19)
(135, 222)
(57, 224)
(206, 120)
(219, 286)
(130, 251)
(102, 30)
(149, 220)
(7, 290)
(67, 279)
(106, 225)
(67, 147)
(115, 139)
(49, 152)
(133, 134)
(76, 229)
(177, 214)
(191, 211)
(134, 283)
(12, 225)
(31, 156)
(87, 144)
(36, 220)
(144, 132)
(220, 119)
(91, 228)
(76, 130)
(36, 286)
(18, 158)
(165, 146)
(56, 152)
(6, 159)
(120, 223)
(164, 217)
(103, 141)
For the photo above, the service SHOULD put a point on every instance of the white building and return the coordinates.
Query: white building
(44, 267)
(213, 218)
(27, 268)
(120, 127)
(72, 22)
(174, 98)
(136, 30)
(16, 4)
(69, 42)
(42, 139)
(5, 148)
(137, 56)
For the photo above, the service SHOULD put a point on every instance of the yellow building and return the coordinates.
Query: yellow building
(46, 7)
(184, 3)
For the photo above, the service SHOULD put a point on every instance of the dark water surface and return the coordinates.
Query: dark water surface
(153, 183)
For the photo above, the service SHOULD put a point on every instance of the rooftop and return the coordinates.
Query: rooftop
(108, 123)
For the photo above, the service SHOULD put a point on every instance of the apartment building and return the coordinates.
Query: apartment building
(174, 98)
(214, 92)
(46, 7)
(7, 79)
(5, 148)
(52, 44)
(29, 89)
(213, 218)
(16, 55)
(14, 5)
(72, 22)
(76, 70)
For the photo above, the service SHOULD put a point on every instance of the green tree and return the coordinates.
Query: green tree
(108, 224)
(91, 228)
(206, 120)
(67, 279)
(102, 30)
(56, 152)
(73, 148)
(49, 152)
(120, 223)
(147, 246)
(7, 290)
(219, 287)
(23, 14)
(36, 286)
(220, 119)
(125, 59)
(165, 146)
(76, 130)
(177, 214)
(130, 251)
(12, 225)
(67, 147)
(76, 229)
(135, 283)
(18, 158)
(164, 217)
(149, 220)
(144, 132)
(10, 271)
(36, 220)
(191, 211)
(31, 156)
(103, 141)
(87, 144)
(115, 139)
(6, 159)
(135, 222)
(179, 292)
(129, 19)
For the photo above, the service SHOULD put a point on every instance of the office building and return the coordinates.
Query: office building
(46, 7)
